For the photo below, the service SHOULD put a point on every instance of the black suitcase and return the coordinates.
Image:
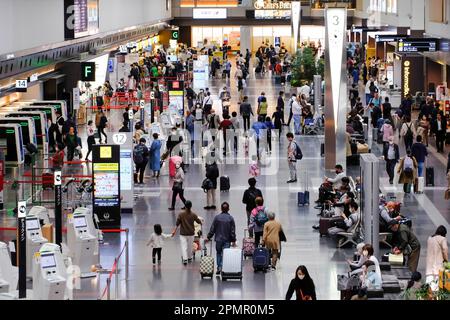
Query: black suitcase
(447, 138)
(224, 183)
(303, 198)
(322, 149)
(429, 176)
(258, 69)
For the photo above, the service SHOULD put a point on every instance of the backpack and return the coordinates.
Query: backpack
(261, 217)
(207, 185)
(409, 133)
(408, 164)
(298, 152)
(263, 107)
(138, 154)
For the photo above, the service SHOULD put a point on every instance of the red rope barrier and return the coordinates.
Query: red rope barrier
(7, 229)
(113, 269)
(113, 230)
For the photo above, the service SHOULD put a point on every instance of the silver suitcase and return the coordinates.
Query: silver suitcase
(232, 264)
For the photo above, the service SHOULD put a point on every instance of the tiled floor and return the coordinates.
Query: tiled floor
(174, 281)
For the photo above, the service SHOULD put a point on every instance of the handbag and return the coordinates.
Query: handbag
(282, 236)
(305, 297)
(346, 283)
(177, 186)
(395, 259)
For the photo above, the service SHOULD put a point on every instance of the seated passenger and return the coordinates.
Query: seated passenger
(370, 278)
(346, 223)
(368, 254)
(357, 264)
(414, 285)
(387, 215)
(330, 184)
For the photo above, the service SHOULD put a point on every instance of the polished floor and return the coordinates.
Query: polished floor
(172, 280)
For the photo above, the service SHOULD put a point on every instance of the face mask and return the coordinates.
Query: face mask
(365, 253)
(301, 277)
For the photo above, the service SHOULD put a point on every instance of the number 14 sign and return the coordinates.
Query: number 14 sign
(21, 85)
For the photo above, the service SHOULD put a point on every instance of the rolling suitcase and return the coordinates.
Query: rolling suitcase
(232, 264)
(248, 245)
(224, 183)
(207, 264)
(322, 149)
(261, 259)
(324, 225)
(429, 174)
(303, 197)
(419, 185)
(47, 180)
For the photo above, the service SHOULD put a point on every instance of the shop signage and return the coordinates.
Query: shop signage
(175, 34)
(389, 37)
(207, 13)
(34, 77)
(76, 98)
(271, 5)
(406, 76)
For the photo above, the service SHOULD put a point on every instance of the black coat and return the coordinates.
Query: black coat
(434, 126)
(386, 149)
(212, 173)
(301, 287)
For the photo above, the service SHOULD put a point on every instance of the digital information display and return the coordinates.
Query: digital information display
(126, 169)
(79, 222)
(107, 190)
(48, 261)
(106, 179)
(33, 224)
(81, 18)
(418, 45)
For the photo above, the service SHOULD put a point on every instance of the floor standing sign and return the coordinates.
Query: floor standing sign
(336, 86)
(106, 177)
(58, 207)
(22, 247)
(2, 177)
(125, 141)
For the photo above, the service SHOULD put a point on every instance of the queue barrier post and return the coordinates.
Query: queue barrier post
(116, 271)
(108, 288)
(127, 257)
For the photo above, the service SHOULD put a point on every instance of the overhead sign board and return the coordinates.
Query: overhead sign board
(88, 71)
(21, 85)
(418, 45)
(209, 13)
(389, 37)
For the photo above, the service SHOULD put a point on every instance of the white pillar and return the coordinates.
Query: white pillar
(246, 39)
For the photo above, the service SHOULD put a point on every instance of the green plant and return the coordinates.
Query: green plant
(321, 67)
(309, 64)
(296, 67)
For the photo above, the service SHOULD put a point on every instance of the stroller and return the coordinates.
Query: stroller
(313, 126)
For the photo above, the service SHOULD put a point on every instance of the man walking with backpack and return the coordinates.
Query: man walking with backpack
(408, 132)
(294, 153)
(249, 199)
(140, 156)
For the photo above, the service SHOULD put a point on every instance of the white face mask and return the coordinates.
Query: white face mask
(301, 277)
(365, 253)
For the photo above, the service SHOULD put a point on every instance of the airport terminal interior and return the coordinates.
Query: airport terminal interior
(133, 135)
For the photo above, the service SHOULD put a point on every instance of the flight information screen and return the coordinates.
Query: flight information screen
(418, 45)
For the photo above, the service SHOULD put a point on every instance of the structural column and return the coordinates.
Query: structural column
(335, 87)
(246, 39)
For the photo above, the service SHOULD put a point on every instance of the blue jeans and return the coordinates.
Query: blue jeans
(220, 245)
(420, 166)
(297, 123)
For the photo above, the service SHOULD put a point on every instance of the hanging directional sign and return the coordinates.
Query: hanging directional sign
(142, 104)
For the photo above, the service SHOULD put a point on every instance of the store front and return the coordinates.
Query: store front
(240, 38)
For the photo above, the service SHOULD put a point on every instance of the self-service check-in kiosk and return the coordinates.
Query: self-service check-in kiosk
(9, 274)
(11, 143)
(34, 240)
(49, 273)
(82, 240)
(28, 130)
(58, 105)
(41, 213)
(40, 124)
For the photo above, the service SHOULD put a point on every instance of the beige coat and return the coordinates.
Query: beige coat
(437, 252)
(403, 178)
(271, 234)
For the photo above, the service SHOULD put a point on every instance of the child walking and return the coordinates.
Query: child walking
(156, 241)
